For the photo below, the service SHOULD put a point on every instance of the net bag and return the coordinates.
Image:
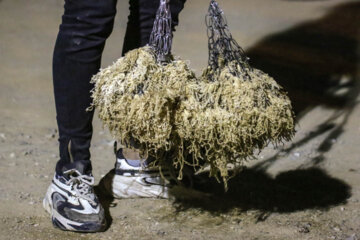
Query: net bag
(235, 109)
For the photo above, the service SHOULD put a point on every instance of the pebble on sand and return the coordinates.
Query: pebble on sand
(3, 136)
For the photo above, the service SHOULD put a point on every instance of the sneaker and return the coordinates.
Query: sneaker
(134, 179)
(72, 204)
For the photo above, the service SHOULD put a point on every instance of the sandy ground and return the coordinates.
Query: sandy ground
(307, 189)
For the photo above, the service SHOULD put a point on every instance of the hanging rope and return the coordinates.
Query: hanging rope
(222, 46)
(161, 35)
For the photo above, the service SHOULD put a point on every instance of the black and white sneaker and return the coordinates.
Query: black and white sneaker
(134, 179)
(72, 203)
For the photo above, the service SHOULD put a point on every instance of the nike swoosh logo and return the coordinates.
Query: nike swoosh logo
(75, 205)
(147, 181)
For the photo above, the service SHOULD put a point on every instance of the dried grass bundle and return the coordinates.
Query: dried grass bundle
(137, 98)
(230, 117)
(235, 109)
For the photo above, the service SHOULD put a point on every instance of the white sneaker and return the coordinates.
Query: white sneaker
(139, 181)
(72, 204)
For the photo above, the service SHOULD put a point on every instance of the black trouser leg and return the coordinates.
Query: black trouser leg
(141, 21)
(85, 26)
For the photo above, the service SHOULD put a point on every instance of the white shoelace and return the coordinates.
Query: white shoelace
(82, 184)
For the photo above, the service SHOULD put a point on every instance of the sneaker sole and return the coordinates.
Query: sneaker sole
(46, 202)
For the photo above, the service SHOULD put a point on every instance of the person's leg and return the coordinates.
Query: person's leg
(85, 26)
(132, 176)
(70, 198)
(141, 21)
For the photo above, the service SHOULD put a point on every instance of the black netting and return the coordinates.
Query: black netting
(222, 46)
(161, 35)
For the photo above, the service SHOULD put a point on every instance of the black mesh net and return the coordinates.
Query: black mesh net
(222, 46)
(161, 35)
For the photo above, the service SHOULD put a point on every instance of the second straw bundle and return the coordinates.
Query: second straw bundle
(235, 109)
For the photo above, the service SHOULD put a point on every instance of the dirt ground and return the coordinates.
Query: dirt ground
(306, 189)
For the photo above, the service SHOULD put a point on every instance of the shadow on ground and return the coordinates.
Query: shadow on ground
(105, 198)
(255, 190)
(315, 60)
(318, 64)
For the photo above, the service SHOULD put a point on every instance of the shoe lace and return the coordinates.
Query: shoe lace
(82, 185)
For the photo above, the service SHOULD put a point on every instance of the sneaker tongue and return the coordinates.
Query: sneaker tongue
(83, 166)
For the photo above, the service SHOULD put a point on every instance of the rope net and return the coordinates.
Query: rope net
(223, 49)
(161, 35)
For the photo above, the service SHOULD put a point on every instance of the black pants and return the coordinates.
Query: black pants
(86, 24)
